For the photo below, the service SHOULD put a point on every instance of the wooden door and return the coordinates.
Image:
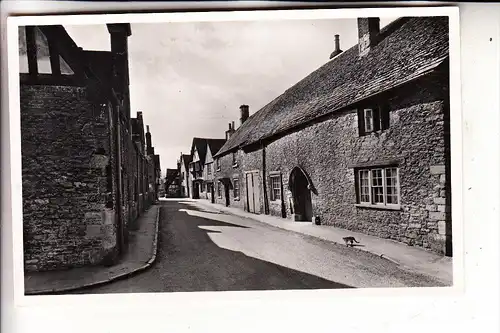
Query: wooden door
(253, 192)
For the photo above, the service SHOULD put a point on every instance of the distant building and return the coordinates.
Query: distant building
(184, 162)
(200, 150)
(82, 161)
(362, 143)
(173, 183)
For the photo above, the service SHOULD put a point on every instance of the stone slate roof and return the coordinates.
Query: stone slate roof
(201, 146)
(215, 144)
(156, 159)
(186, 159)
(408, 48)
(135, 125)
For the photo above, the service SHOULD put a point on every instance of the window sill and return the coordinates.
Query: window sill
(236, 199)
(235, 166)
(381, 207)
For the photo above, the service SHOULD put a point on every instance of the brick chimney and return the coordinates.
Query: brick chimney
(244, 111)
(230, 131)
(337, 50)
(368, 33)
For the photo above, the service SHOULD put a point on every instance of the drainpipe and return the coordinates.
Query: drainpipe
(119, 180)
(264, 179)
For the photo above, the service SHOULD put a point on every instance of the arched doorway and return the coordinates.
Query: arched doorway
(300, 186)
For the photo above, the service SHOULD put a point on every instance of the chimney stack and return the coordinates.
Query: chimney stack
(230, 131)
(368, 33)
(148, 140)
(244, 113)
(337, 50)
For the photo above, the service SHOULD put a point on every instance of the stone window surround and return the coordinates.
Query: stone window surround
(369, 167)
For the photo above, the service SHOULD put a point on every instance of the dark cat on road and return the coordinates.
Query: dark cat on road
(349, 239)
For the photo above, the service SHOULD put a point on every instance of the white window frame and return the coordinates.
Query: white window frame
(219, 189)
(276, 177)
(371, 203)
(372, 120)
(209, 169)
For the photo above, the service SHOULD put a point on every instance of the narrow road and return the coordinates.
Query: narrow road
(202, 250)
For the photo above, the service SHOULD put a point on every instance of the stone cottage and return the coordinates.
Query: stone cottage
(76, 144)
(362, 143)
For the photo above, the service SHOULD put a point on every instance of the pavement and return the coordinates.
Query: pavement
(139, 256)
(409, 258)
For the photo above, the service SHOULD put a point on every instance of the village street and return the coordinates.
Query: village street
(203, 250)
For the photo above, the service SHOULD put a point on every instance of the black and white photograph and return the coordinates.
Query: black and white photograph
(236, 154)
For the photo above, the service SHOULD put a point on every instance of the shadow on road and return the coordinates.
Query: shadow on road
(191, 261)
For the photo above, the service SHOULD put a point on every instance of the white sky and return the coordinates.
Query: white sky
(189, 79)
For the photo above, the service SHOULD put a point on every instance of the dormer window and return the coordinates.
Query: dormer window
(372, 119)
(217, 164)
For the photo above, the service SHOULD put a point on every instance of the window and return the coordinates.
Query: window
(378, 186)
(236, 188)
(372, 120)
(38, 56)
(209, 169)
(369, 125)
(219, 191)
(235, 163)
(202, 187)
(275, 187)
(217, 164)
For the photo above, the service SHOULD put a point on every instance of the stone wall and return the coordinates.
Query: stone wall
(65, 154)
(415, 141)
(329, 152)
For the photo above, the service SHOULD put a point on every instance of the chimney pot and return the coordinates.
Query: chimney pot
(147, 128)
(229, 126)
(337, 50)
(232, 126)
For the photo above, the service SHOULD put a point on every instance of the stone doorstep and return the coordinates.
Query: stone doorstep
(438, 263)
(114, 272)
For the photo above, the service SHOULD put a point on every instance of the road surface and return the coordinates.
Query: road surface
(201, 250)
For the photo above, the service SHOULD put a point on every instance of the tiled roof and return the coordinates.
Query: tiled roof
(407, 48)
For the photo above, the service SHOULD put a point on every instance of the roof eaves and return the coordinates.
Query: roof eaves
(422, 72)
